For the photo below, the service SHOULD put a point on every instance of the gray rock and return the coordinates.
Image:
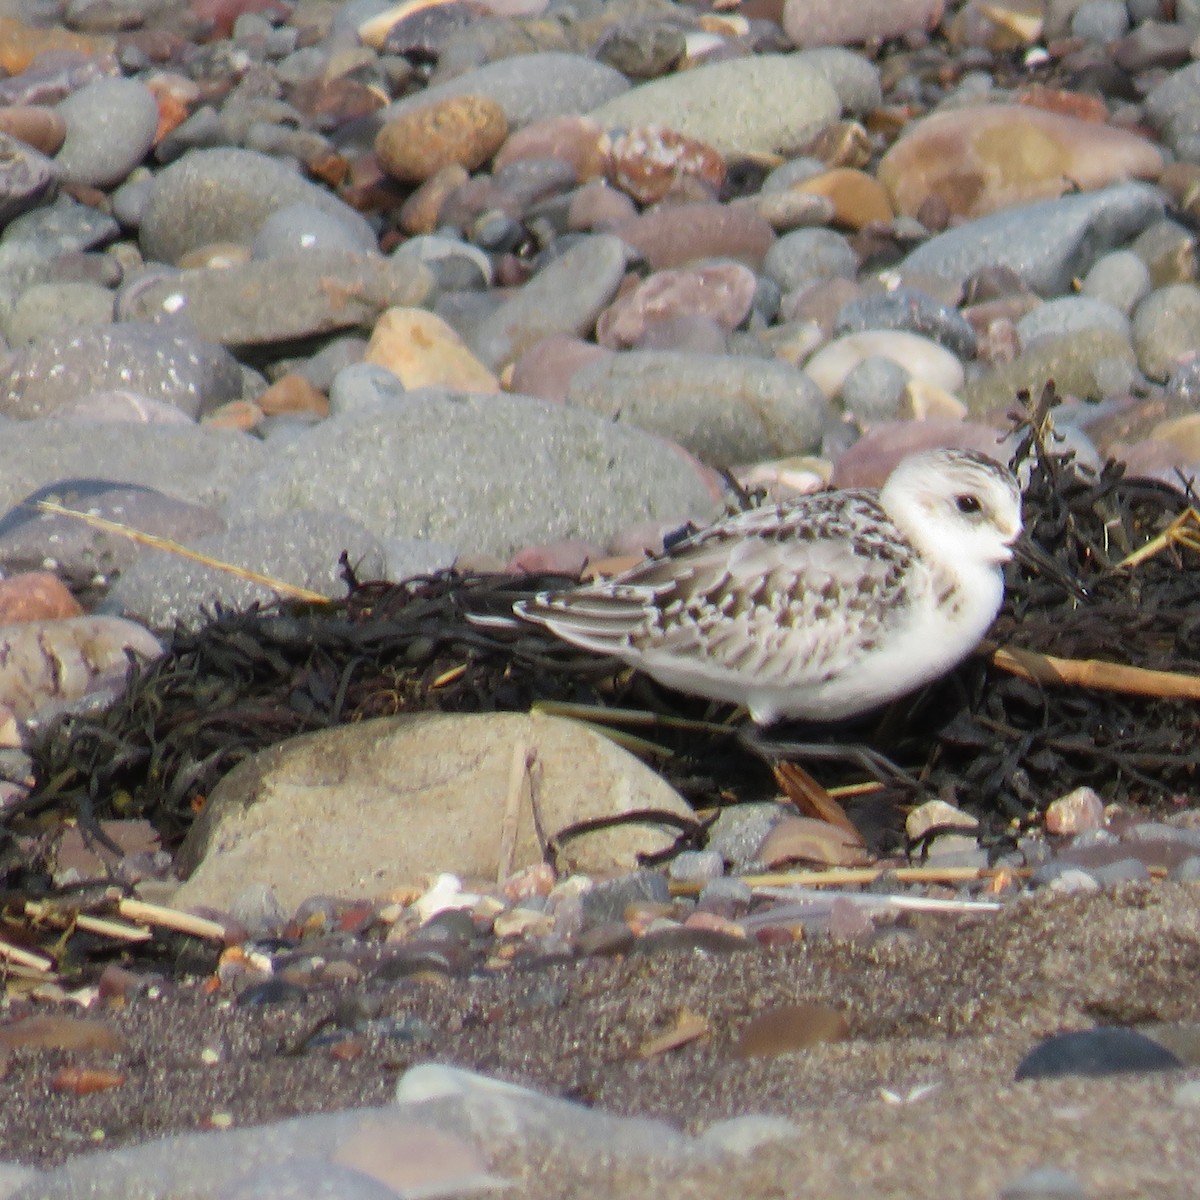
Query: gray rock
(1100, 21)
(874, 389)
(486, 474)
(854, 79)
(529, 87)
(364, 385)
(806, 256)
(49, 309)
(409, 557)
(192, 375)
(608, 900)
(64, 227)
(225, 195)
(761, 104)
(197, 464)
(293, 296)
(1047, 244)
(1166, 328)
(564, 297)
(300, 548)
(913, 312)
(1173, 108)
(725, 409)
(110, 129)
(1121, 279)
(1069, 314)
(33, 540)
(1075, 361)
(305, 228)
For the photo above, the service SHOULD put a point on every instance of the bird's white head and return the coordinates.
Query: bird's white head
(956, 504)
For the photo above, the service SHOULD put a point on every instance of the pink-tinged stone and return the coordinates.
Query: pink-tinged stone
(987, 157)
(546, 369)
(423, 351)
(692, 332)
(675, 235)
(871, 459)
(1152, 459)
(35, 596)
(567, 557)
(575, 140)
(242, 415)
(421, 212)
(838, 23)
(222, 14)
(648, 163)
(723, 292)
(820, 303)
(90, 859)
(1076, 812)
(42, 128)
(597, 206)
(409, 1155)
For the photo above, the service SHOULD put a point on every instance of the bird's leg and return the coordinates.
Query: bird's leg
(878, 766)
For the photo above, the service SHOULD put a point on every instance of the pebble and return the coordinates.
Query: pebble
(460, 130)
(421, 350)
(110, 125)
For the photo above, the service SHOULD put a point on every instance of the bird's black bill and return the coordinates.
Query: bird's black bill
(1030, 555)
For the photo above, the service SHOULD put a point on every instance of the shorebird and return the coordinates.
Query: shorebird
(820, 608)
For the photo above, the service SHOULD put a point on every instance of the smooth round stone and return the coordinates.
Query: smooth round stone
(462, 130)
(529, 87)
(1173, 108)
(225, 195)
(642, 49)
(1074, 361)
(364, 385)
(110, 128)
(919, 357)
(1105, 1050)
(725, 409)
(806, 255)
(723, 293)
(36, 125)
(63, 227)
(1069, 314)
(673, 235)
(598, 207)
(182, 370)
(1121, 279)
(913, 312)
(129, 201)
(853, 77)
(762, 104)
(1100, 21)
(56, 308)
(486, 474)
(1047, 244)
(874, 390)
(978, 159)
(857, 199)
(1166, 328)
(26, 177)
(574, 140)
(301, 227)
(1169, 251)
(546, 369)
(564, 297)
(835, 23)
(421, 350)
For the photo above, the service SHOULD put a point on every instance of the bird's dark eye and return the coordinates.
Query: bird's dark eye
(968, 504)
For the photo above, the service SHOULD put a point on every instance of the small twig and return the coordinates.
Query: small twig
(171, 918)
(160, 543)
(1183, 531)
(26, 958)
(849, 876)
(1095, 673)
(41, 910)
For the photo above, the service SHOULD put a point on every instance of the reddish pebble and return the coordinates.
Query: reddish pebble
(36, 126)
(1076, 812)
(33, 596)
(599, 206)
(649, 163)
(82, 1081)
(222, 14)
(574, 140)
(462, 130)
(546, 369)
(679, 234)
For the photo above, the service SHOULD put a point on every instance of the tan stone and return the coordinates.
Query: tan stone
(35, 595)
(423, 351)
(466, 130)
(857, 198)
(293, 393)
(986, 157)
(370, 808)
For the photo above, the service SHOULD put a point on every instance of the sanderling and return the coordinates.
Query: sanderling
(819, 608)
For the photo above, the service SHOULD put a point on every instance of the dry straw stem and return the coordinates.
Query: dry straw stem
(1095, 673)
(171, 918)
(278, 586)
